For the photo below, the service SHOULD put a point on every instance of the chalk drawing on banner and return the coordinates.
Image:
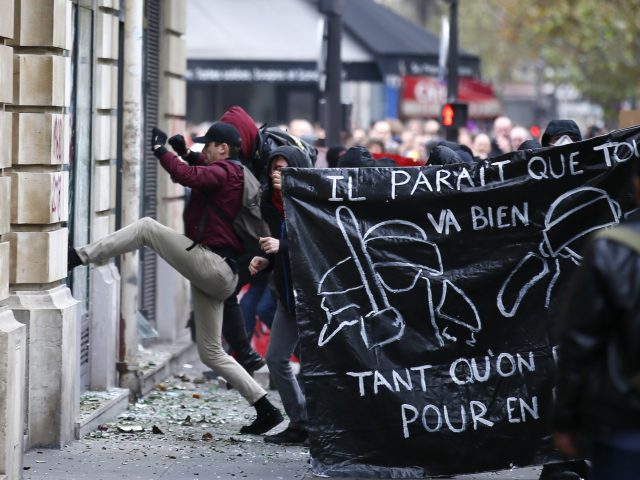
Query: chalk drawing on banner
(365, 301)
(453, 309)
(632, 214)
(570, 219)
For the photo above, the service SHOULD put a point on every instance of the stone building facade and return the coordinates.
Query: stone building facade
(61, 80)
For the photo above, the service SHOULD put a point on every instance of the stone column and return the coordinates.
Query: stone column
(53, 364)
(12, 372)
(131, 169)
(39, 209)
(173, 290)
(12, 333)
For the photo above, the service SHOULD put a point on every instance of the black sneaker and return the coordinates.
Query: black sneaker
(73, 260)
(289, 436)
(255, 364)
(263, 423)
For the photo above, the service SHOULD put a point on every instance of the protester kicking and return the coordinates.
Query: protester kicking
(206, 254)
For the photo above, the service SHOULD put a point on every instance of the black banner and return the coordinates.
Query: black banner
(428, 297)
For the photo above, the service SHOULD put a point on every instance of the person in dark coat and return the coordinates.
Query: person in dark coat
(284, 332)
(598, 377)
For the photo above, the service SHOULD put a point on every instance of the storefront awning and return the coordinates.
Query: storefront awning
(256, 40)
(280, 41)
(399, 46)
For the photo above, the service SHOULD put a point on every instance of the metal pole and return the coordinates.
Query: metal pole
(333, 118)
(131, 164)
(452, 64)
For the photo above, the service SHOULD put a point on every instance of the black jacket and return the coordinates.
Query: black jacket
(279, 262)
(599, 350)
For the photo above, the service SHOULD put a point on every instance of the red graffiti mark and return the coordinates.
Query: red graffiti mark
(57, 139)
(70, 129)
(56, 197)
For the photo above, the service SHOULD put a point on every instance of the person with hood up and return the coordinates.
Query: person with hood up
(530, 145)
(240, 119)
(234, 324)
(248, 130)
(449, 153)
(356, 157)
(561, 132)
(284, 331)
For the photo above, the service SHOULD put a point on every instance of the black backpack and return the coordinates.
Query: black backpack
(270, 138)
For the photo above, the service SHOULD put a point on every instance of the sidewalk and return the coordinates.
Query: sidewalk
(186, 428)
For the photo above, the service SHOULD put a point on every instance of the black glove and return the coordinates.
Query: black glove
(158, 137)
(178, 144)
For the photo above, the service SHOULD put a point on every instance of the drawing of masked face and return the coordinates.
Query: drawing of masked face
(573, 217)
(401, 257)
(401, 253)
(342, 298)
(345, 293)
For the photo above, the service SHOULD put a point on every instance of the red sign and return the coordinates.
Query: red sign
(425, 96)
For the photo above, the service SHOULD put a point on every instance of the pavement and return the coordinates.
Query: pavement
(187, 428)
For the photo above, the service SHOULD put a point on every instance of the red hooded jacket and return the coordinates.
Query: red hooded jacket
(240, 119)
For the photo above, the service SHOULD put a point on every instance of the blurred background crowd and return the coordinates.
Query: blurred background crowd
(411, 142)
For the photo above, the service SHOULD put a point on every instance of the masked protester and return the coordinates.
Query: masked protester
(561, 132)
(284, 331)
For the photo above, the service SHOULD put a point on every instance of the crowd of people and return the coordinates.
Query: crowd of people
(415, 139)
(211, 255)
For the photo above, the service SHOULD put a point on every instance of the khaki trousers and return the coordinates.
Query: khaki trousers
(212, 281)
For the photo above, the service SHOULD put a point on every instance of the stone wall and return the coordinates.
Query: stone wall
(12, 333)
(173, 304)
(6, 124)
(36, 87)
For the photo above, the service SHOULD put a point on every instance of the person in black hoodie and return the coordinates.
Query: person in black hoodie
(284, 331)
(449, 153)
(561, 132)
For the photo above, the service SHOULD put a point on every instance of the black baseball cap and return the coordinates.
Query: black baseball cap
(221, 132)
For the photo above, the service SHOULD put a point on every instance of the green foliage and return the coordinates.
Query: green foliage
(592, 44)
